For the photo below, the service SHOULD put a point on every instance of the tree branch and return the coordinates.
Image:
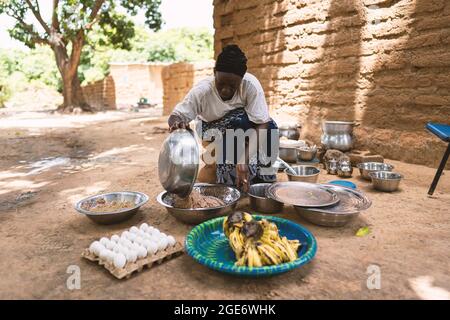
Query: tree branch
(29, 28)
(94, 13)
(75, 55)
(55, 22)
(37, 14)
(97, 5)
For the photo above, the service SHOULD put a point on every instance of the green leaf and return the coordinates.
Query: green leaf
(364, 231)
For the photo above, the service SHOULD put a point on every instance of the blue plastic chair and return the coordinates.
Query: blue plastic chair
(443, 132)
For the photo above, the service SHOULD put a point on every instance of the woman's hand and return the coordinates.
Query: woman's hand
(176, 122)
(242, 176)
(178, 125)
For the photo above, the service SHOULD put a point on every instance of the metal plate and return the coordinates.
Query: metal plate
(351, 201)
(178, 162)
(302, 194)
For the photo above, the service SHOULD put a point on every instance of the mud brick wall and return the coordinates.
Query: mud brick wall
(178, 79)
(134, 81)
(384, 64)
(100, 95)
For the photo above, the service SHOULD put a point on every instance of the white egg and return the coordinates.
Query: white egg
(171, 241)
(156, 232)
(131, 236)
(162, 244)
(119, 260)
(143, 226)
(93, 248)
(163, 234)
(146, 236)
(125, 242)
(141, 233)
(115, 238)
(110, 245)
(151, 247)
(116, 248)
(142, 252)
(124, 251)
(131, 256)
(104, 253)
(111, 256)
(139, 240)
(125, 234)
(134, 229)
(104, 241)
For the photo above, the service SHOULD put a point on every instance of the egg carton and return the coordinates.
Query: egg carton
(138, 265)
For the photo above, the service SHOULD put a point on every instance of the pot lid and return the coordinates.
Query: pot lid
(302, 194)
(286, 125)
(178, 162)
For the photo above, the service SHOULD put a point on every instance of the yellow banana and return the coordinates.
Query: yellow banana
(292, 253)
(237, 242)
(269, 254)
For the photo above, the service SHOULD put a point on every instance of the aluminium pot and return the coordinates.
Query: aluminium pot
(337, 135)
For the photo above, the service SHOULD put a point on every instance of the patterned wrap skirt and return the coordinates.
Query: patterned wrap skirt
(226, 169)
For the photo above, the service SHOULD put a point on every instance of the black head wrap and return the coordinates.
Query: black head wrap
(232, 60)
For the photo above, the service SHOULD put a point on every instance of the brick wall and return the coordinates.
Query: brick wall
(178, 79)
(100, 95)
(384, 64)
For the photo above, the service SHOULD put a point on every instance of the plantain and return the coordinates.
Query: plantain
(257, 243)
(292, 254)
(237, 242)
(269, 254)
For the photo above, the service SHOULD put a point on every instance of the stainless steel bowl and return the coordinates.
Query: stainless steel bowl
(227, 194)
(178, 162)
(137, 198)
(288, 154)
(304, 173)
(306, 154)
(385, 180)
(260, 202)
(367, 167)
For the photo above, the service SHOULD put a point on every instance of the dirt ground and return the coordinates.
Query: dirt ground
(47, 163)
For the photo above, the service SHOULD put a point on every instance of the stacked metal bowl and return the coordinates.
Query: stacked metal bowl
(322, 204)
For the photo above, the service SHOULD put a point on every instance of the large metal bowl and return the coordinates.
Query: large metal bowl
(385, 180)
(260, 202)
(227, 194)
(304, 173)
(367, 167)
(137, 198)
(178, 162)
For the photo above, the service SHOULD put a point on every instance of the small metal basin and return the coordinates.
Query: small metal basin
(304, 174)
(138, 198)
(386, 180)
(306, 153)
(367, 167)
(259, 200)
(288, 154)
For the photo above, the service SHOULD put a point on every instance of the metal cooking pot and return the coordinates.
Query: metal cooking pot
(337, 135)
(289, 130)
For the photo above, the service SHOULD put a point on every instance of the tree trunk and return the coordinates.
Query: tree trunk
(73, 95)
(68, 66)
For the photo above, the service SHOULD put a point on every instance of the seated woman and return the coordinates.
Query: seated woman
(232, 99)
